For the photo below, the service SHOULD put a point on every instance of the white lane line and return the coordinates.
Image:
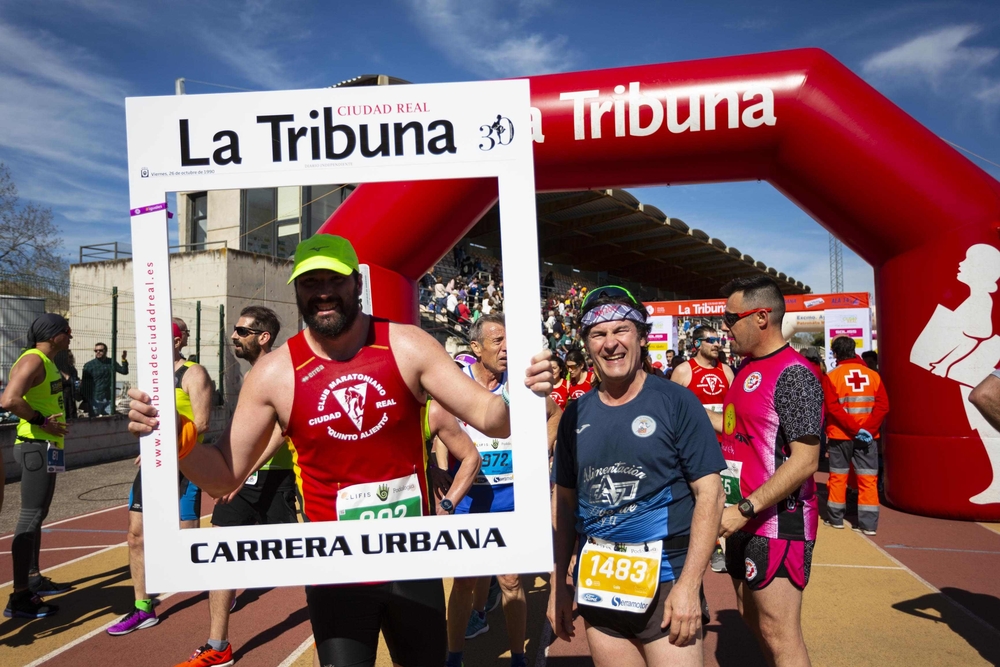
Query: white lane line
(961, 551)
(79, 640)
(91, 546)
(75, 560)
(72, 518)
(96, 553)
(303, 647)
(860, 567)
(992, 630)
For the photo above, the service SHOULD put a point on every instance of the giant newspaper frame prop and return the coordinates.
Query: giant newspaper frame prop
(314, 137)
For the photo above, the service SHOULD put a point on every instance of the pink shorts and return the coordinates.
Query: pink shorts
(758, 560)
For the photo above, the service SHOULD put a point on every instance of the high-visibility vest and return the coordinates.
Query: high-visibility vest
(856, 387)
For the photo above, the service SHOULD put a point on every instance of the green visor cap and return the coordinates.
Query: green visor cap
(325, 251)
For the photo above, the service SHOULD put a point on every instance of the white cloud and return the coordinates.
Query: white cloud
(933, 56)
(251, 37)
(491, 37)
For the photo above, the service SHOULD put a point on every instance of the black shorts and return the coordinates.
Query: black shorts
(270, 499)
(628, 625)
(757, 560)
(411, 615)
(188, 497)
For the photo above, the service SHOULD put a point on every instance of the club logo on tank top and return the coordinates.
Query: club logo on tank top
(752, 382)
(643, 426)
(364, 402)
(712, 385)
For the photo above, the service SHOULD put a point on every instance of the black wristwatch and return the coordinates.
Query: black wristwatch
(447, 506)
(37, 420)
(746, 509)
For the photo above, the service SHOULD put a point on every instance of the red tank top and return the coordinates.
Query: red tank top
(355, 434)
(708, 384)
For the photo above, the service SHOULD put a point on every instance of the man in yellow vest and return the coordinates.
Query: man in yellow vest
(193, 394)
(856, 405)
(34, 393)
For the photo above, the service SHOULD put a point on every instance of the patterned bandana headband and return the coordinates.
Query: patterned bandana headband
(611, 312)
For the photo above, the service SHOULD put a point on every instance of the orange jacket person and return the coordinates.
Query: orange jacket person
(856, 405)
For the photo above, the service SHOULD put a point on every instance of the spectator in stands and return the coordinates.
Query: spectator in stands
(488, 304)
(550, 280)
(491, 288)
(458, 254)
(450, 287)
(440, 296)
(452, 303)
(464, 314)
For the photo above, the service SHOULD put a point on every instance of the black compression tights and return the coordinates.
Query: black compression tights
(37, 487)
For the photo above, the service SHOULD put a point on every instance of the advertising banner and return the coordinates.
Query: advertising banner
(855, 323)
(381, 134)
(662, 337)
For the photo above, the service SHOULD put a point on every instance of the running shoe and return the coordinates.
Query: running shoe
(494, 597)
(136, 619)
(838, 526)
(869, 533)
(206, 656)
(718, 560)
(25, 604)
(44, 586)
(477, 625)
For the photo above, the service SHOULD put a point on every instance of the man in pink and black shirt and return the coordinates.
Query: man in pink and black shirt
(770, 424)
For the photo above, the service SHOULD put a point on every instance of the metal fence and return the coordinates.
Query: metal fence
(101, 315)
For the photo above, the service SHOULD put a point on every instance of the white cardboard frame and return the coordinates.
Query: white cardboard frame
(155, 147)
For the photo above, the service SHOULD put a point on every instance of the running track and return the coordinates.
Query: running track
(923, 592)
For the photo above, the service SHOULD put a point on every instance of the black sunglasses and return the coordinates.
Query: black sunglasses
(243, 332)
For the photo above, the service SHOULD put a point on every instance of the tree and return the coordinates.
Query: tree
(29, 241)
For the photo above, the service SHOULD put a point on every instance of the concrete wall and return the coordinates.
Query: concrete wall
(92, 441)
(226, 277)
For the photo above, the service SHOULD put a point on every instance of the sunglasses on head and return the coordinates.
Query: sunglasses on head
(732, 318)
(608, 290)
(243, 332)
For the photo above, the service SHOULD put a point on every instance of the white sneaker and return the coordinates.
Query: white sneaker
(838, 526)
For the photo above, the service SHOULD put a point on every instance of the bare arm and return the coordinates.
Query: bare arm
(198, 386)
(986, 398)
(460, 445)
(560, 612)
(28, 372)
(790, 475)
(425, 366)
(682, 608)
(682, 375)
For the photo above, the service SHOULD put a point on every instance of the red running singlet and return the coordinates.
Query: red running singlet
(355, 434)
(708, 384)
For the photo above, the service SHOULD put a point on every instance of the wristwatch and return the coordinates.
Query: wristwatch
(447, 506)
(746, 509)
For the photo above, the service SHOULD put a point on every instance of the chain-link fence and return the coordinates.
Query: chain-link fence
(99, 317)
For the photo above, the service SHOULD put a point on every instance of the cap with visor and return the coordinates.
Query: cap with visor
(325, 251)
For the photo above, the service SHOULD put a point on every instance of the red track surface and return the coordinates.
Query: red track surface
(958, 559)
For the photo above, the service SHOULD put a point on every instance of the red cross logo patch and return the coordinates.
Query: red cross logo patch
(857, 380)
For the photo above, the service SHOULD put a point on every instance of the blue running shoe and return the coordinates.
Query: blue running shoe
(494, 597)
(477, 625)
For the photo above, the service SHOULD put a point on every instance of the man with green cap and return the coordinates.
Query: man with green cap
(348, 392)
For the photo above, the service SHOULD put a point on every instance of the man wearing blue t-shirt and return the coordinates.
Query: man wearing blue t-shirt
(637, 481)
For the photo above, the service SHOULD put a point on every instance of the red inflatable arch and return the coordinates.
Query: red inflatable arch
(890, 189)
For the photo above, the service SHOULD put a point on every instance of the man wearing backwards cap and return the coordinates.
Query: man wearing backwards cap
(348, 391)
(637, 480)
(34, 394)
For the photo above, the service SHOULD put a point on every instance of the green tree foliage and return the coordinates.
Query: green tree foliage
(29, 241)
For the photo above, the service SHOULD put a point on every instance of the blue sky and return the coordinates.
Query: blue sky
(67, 65)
